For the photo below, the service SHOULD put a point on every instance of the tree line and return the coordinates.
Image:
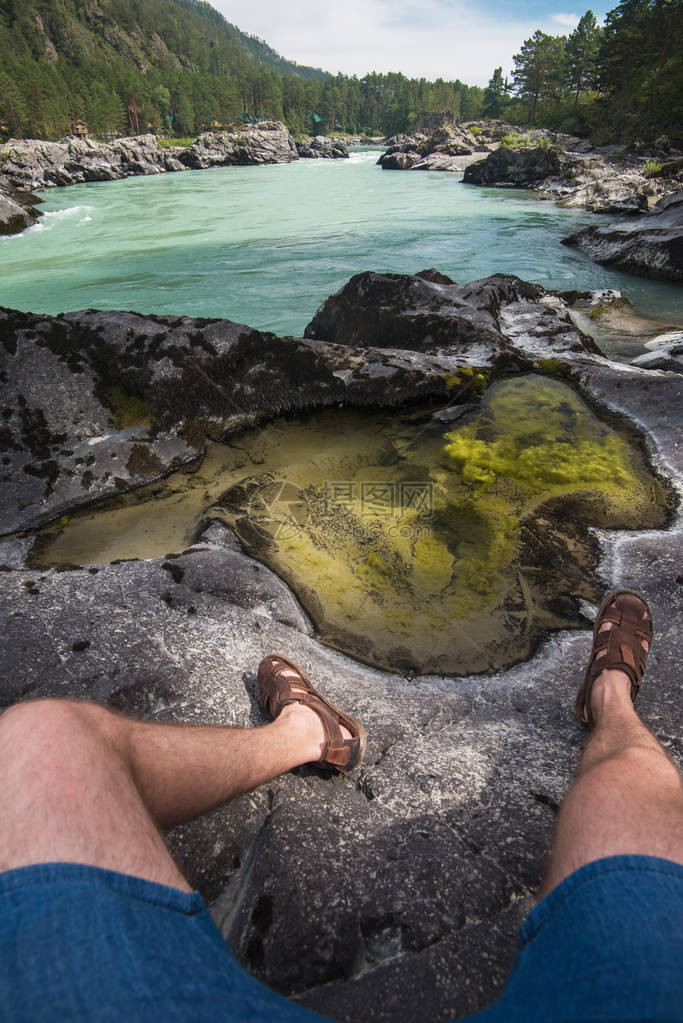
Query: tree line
(177, 67)
(621, 81)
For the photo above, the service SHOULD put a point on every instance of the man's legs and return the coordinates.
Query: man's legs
(628, 797)
(82, 784)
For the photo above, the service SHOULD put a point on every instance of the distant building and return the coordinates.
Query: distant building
(79, 129)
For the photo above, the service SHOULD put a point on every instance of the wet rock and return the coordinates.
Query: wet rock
(17, 209)
(99, 403)
(514, 168)
(265, 143)
(664, 352)
(320, 147)
(651, 247)
(399, 160)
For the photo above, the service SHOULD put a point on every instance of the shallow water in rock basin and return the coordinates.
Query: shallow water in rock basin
(266, 245)
(414, 544)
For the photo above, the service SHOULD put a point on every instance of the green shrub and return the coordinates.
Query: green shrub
(652, 169)
(515, 141)
(475, 131)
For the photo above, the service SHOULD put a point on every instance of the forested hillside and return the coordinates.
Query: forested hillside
(129, 66)
(178, 67)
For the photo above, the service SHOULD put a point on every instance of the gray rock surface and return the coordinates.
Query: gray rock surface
(650, 247)
(68, 381)
(664, 352)
(17, 209)
(449, 148)
(573, 173)
(514, 168)
(264, 143)
(393, 894)
(513, 317)
(33, 164)
(320, 147)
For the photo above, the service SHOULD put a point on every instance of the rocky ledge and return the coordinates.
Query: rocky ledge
(650, 247)
(568, 170)
(265, 143)
(395, 893)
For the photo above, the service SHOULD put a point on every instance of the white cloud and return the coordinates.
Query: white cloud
(422, 38)
(569, 20)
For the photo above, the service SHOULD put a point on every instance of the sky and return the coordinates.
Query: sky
(429, 39)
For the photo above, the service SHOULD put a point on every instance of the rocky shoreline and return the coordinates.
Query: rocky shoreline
(30, 165)
(423, 862)
(565, 168)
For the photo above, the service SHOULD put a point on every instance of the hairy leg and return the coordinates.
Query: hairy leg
(628, 797)
(83, 784)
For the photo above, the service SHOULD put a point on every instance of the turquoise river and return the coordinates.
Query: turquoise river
(266, 245)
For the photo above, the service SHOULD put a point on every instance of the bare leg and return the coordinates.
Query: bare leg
(628, 797)
(82, 784)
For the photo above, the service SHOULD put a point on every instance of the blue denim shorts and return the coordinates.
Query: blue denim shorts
(78, 943)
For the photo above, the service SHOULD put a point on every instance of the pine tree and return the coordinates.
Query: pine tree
(539, 69)
(581, 52)
(494, 94)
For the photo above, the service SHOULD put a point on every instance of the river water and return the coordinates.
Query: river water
(266, 245)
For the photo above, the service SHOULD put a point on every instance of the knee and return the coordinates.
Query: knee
(50, 728)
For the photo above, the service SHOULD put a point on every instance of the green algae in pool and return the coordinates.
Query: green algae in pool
(413, 545)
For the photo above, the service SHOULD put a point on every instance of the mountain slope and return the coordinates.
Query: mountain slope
(126, 65)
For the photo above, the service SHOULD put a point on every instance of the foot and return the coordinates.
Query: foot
(612, 686)
(330, 736)
(624, 654)
(306, 724)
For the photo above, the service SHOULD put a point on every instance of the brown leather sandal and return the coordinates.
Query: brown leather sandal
(277, 691)
(619, 647)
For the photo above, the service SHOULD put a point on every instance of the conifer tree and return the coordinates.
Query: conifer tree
(581, 53)
(539, 70)
(494, 94)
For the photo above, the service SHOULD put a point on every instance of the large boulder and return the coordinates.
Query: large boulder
(264, 143)
(449, 148)
(320, 147)
(514, 168)
(650, 247)
(432, 313)
(399, 160)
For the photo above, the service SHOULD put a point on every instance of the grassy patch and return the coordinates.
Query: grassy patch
(170, 143)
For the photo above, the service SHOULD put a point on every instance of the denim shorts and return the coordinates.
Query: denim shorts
(78, 943)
